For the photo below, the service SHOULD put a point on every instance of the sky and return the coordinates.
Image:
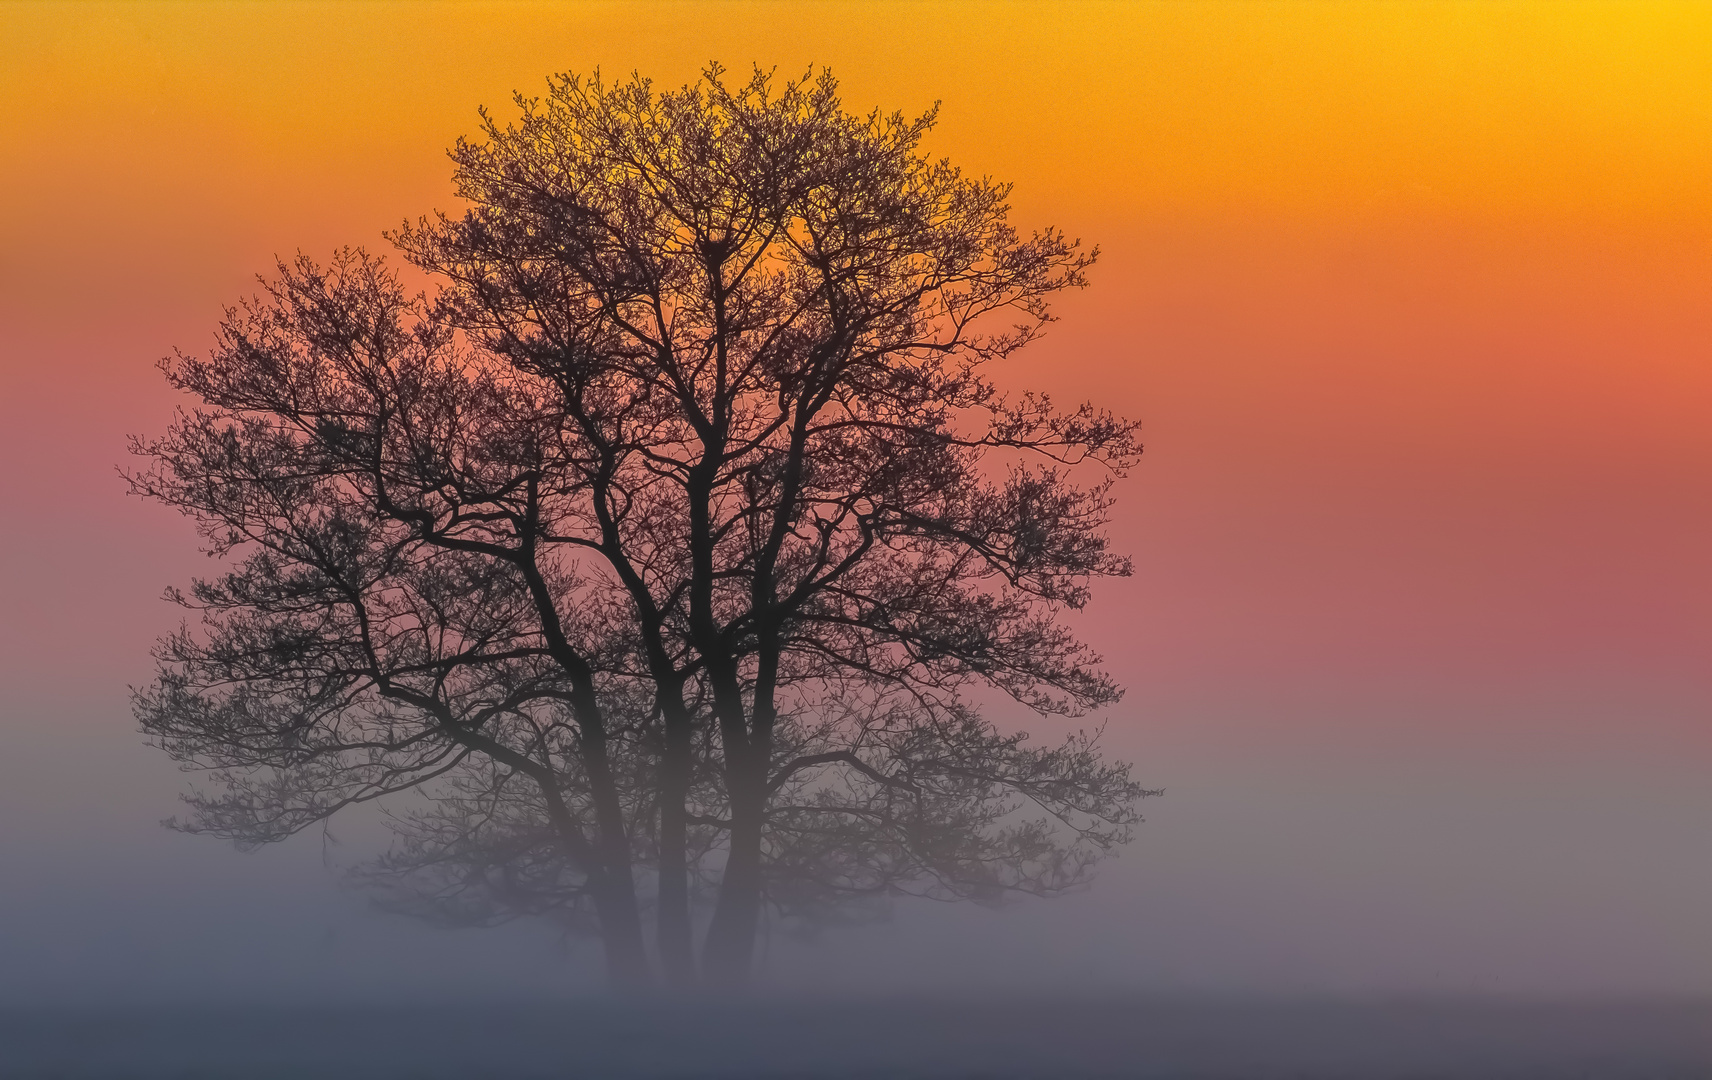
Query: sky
(1414, 301)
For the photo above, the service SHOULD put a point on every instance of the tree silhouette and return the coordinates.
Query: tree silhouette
(931, 803)
(661, 542)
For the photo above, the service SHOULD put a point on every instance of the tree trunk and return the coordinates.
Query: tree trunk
(676, 944)
(730, 948)
(621, 930)
(614, 896)
(729, 952)
(613, 886)
(615, 889)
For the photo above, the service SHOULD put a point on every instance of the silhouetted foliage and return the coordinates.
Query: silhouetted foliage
(866, 802)
(657, 545)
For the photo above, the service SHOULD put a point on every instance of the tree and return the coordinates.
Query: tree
(662, 540)
(925, 803)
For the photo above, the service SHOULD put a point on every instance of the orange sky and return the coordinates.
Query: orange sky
(1415, 300)
(1553, 110)
(1414, 269)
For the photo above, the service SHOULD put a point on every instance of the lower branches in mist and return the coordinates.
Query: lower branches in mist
(870, 800)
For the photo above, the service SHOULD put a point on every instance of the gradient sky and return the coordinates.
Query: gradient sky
(1414, 299)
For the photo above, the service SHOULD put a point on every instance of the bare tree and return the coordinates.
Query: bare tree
(692, 439)
(869, 800)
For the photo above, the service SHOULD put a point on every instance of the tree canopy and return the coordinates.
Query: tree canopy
(661, 543)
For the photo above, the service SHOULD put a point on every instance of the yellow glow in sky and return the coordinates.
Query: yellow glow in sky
(1556, 108)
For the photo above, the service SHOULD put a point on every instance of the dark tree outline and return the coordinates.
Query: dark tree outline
(882, 579)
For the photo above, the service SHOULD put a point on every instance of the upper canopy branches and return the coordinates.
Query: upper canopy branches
(750, 298)
(701, 389)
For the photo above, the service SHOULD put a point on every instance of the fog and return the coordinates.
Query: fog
(1345, 875)
(1349, 871)
(902, 1039)
(1416, 647)
(1275, 917)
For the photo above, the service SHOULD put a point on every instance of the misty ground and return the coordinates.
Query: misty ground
(892, 1038)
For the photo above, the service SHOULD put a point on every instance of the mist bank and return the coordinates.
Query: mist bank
(898, 1038)
(1541, 870)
